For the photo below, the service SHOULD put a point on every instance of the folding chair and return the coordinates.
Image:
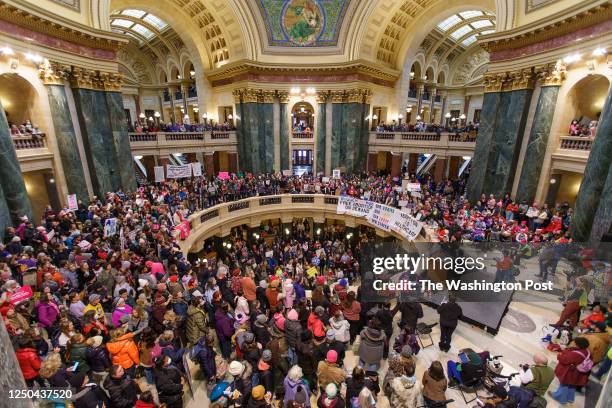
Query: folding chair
(423, 332)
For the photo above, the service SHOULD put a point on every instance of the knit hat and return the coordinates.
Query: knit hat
(97, 341)
(331, 334)
(142, 283)
(320, 280)
(406, 351)
(196, 293)
(292, 315)
(236, 368)
(266, 356)
(343, 282)
(263, 284)
(258, 392)
(331, 390)
(332, 356)
(249, 337)
(319, 311)
(93, 297)
(279, 320)
(261, 319)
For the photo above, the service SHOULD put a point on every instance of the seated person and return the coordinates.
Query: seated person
(468, 369)
(596, 316)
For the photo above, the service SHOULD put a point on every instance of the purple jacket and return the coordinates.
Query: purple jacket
(47, 314)
(224, 325)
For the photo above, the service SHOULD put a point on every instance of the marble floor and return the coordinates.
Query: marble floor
(517, 340)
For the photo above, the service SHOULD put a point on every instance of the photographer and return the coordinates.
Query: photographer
(535, 381)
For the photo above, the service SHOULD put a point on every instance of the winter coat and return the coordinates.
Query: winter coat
(224, 325)
(566, 370)
(47, 314)
(156, 318)
(449, 314)
(90, 396)
(29, 362)
(120, 312)
(124, 351)
(77, 355)
(342, 329)
(195, 325)
(292, 388)
(206, 360)
(97, 359)
(434, 389)
(404, 393)
(243, 384)
(337, 402)
(293, 332)
(262, 335)
(123, 392)
(411, 313)
(328, 373)
(169, 387)
(289, 294)
(372, 345)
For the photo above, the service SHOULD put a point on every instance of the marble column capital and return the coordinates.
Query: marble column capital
(551, 74)
(53, 73)
(522, 79)
(283, 96)
(495, 82)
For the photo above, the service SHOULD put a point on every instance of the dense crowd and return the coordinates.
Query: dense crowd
(25, 129)
(150, 127)
(579, 128)
(420, 126)
(267, 319)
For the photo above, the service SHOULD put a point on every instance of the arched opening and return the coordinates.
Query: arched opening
(441, 78)
(583, 105)
(415, 75)
(20, 102)
(175, 74)
(429, 74)
(302, 118)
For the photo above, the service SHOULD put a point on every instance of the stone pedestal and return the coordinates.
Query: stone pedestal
(593, 208)
(11, 178)
(538, 140)
(67, 142)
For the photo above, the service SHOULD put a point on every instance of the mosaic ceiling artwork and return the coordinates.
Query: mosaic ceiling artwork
(303, 23)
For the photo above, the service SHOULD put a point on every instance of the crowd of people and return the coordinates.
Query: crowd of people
(267, 320)
(579, 128)
(25, 129)
(152, 127)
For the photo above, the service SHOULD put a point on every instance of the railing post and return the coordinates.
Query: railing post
(161, 138)
(444, 139)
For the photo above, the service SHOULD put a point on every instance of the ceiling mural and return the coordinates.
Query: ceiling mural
(303, 23)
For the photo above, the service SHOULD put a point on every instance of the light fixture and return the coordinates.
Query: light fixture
(141, 116)
(412, 74)
(224, 244)
(178, 77)
(572, 58)
(204, 115)
(157, 114)
(310, 91)
(462, 117)
(374, 117)
(287, 231)
(418, 117)
(295, 90)
(453, 119)
(302, 110)
(34, 58)
(598, 52)
(448, 115)
(230, 116)
(409, 109)
(466, 157)
(52, 180)
(318, 231)
(553, 181)
(7, 51)
(229, 246)
(192, 73)
(422, 110)
(196, 109)
(400, 116)
(151, 118)
(138, 157)
(312, 115)
(186, 116)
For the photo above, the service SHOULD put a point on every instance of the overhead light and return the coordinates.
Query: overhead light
(374, 117)
(462, 116)
(7, 51)
(318, 231)
(598, 52)
(192, 73)
(138, 157)
(448, 115)
(196, 109)
(572, 58)
(418, 117)
(302, 110)
(412, 75)
(178, 77)
(229, 245)
(287, 231)
(310, 91)
(295, 90)
(151, 118)
(34, 58)
(157, 114)
(466, 157)
(409, 109)
(230, 116)
(400, 116)
(553, 181)
(184, 117)
(141, 116)
(51, 180)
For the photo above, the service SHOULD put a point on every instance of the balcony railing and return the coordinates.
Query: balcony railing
(303, 135)
(424, 142)
(177, 141)
(37, 141)
(143, 137)
(421, 136)
(576, 143)
(185, 136)
(220, 135)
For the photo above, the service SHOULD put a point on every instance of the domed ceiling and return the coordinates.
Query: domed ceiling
(303, 23)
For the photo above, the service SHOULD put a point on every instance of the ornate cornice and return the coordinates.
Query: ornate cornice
(67, 31)
(254, 95)
(533, 34)
(522, 79)
(322, 96)
(494, 82)
(551, 74)
(253, 71)
(283, 96)
(251, 95)
(53, 73)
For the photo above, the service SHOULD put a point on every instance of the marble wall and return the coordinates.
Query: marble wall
(121, 141)
(95, 123)
(5, 218)
(593, 208)
(255, 135)
(320, 140)
(536, 147)
(349, 143)
(488, 118)
(284, 137)
(67, 142)
(11, 178)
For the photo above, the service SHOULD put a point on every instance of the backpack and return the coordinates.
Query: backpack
(255, 379)
(194, 352)
(587, 364)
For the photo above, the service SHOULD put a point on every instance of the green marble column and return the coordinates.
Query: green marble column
(98, 140)
(244, 157)
(349, 136)
(320, 129)
(67, 142)
(5, 218)
(338, 142)
(488, 117)
(265, 137)
(602, 223)
(538, 140)
(11, 178)
(284, 136)
(507, 141)
(594, 190)
(121, 141)
(251, 129)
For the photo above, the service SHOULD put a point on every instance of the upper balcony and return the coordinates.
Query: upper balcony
(162, 143)
(443, 144)
(33, 152)
(572, 153)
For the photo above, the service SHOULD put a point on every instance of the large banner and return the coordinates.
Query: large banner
(381, 216)
(173, 172)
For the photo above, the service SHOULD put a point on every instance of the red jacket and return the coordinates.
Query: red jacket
(29, 362)
(566, 368)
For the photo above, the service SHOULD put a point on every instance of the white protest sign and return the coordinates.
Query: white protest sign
(413, 187)
(352, 206)
(336, 173)
(73, 203)
(381, 216)
(174, 172)
(159, 173)
(197, 169)
(110, 227)
(405, 225)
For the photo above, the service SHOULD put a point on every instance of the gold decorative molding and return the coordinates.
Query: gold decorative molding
(337, 96)
(535, 33)
(283, 96)
(53, 73)
(74, 33)
(522, 79)
(82, 78)
(494, 82)
(551, 74)
(110, 81)
(322, 96)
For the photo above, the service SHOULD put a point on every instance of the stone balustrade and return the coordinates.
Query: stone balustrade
(220, 219)
(37, 141)
(303, 135)
(445, 144)
(182, 142)
(576, 143)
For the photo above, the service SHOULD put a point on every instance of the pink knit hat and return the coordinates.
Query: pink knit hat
(279, 319)
(332, 356)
